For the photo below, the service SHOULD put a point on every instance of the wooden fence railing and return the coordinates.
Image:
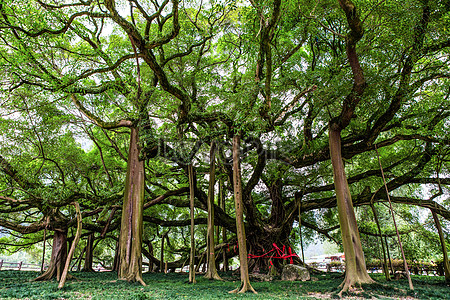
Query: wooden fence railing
(5, 265)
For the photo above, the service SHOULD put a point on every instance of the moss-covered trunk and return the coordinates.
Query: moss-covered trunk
(355, 271)
(58, 257)
(130, 241)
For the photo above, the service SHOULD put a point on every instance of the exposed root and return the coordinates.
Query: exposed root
(44, 277)
(214, 276)
(141, 281)
(243, 288)
(352, 284)
(49, 274)
(134, 278)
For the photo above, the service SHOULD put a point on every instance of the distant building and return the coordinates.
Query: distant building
(326, 258)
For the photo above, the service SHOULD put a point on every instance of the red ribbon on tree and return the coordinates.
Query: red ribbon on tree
(280, 254)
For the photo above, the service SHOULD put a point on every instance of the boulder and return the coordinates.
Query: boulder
(261, 277)
(294, 272)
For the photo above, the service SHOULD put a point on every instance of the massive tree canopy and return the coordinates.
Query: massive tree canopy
(107, 103)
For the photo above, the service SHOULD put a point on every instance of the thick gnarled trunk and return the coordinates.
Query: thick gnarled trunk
(270, 249)
(58, 257)
(130, 241)
(355, 271)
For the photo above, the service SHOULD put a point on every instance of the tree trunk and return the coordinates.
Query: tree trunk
(191, 205)
(115, 266)
(130, 241)
(224, 230)
(242, 242)
(405, 264)
(65, 275)
(151, 263)
(444, 247)
(77, 264)
(58, 257)
(211, 272)
(385, 264)
(43, 250)
(268, 241)
(88, 260)
(355, 271)
(300, 231)
(161, 261)
(389, 255)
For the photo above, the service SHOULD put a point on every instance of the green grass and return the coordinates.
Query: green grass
(18, 285)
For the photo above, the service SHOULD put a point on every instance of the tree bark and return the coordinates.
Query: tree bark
(242, 242)
(385, 264)
(43, 250)
(444, 247)
(161, 262)
(115, 266)
(78, 261)
(151, 263)
(355, 271)
(300, 230)
(191, 204)
(211, 271)
(130, 241)
(72, 248)
(88, 258)
(389, 255)
(58, 257)
(224, 230)
(405, 264)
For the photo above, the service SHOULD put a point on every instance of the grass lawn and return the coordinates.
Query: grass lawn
(18, 285)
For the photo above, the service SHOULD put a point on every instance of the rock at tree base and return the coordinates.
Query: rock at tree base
(261, 277)
(294, 272)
